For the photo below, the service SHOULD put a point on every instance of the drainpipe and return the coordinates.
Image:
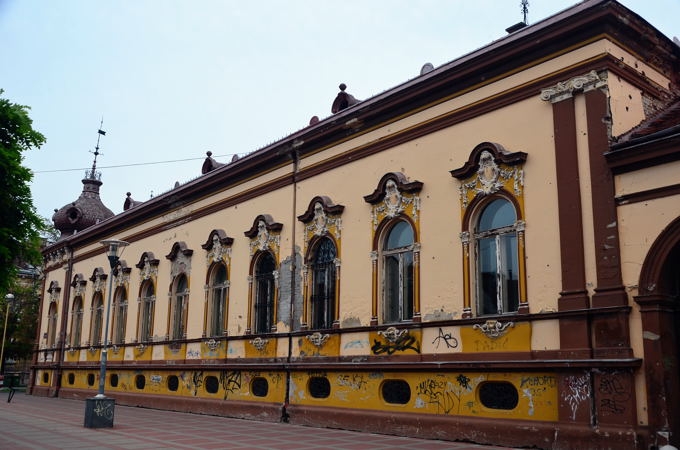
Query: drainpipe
(293, 269)
(64, 322)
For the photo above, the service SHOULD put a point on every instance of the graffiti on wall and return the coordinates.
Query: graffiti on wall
(401, 344)
(230, 380)
(446, 339)
(614, 394)
(443, 394)
(576, 391)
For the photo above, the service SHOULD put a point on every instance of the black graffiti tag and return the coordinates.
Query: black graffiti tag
(449, 340)
(402, 343)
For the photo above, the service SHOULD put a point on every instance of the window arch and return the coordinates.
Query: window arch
(492, 206)
(397, 270)
(218, 293)
(265, 289)
(76, 321)
(496, 257)
(323, 286)
(52, 325)
(97, 319)
(119, 315)
(395, 257)
(147, 301)
(178, 307)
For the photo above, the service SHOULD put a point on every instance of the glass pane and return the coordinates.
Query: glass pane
(181, 284)
(391, 289)
(407, 295)
(220, 275)
(323, 285)
(499, 213)
(487, 283)
(264, 294)
(401, 235)
(510, 272)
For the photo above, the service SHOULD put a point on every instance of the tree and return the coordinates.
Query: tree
(20, 225)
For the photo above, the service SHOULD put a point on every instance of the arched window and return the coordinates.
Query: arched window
(323, 271)
(146, 302)
(178, 307)
(497, 262)
(96, 324)
(397, 272)
(52, 326)
(119, 315)
(217, 301)
(264, 278)
(76, 321)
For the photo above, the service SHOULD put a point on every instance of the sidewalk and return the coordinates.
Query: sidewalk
(30, 422)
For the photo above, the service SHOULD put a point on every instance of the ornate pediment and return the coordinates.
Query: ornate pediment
(394, 195)
(148, 266)
(218, 247)
(489, 169)
(265, 234)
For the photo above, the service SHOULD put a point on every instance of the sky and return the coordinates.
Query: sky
(173, 79)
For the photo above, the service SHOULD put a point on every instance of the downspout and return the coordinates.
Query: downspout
(64, 322)
(293, 271)
(36, 342)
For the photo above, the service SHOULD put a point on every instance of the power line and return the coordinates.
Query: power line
(130, 165)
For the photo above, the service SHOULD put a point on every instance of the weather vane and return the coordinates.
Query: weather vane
(525, 9)
(100, 133)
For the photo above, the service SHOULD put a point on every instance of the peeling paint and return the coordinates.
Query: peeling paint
(651, 336)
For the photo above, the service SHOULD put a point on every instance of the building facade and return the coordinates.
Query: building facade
(490, 248)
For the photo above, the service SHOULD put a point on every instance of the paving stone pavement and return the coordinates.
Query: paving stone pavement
(31, 422)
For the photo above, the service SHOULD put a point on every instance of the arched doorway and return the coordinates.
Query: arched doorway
(659, 301)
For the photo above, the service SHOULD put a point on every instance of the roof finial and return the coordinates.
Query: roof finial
(525, 9)
(100, 133)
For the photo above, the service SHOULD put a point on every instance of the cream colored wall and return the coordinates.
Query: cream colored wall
(525, 126)
(429, 159)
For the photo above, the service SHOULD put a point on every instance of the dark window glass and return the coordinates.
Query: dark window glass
(212, 384)
(218, 301)
(319, 387)
(90, 379)
(97, 319)
(259, 387)
(146, 312)
(173, 383)
(323, 285)
(179, 308)
(46, 378)
(113, 380)
(77, 322)
(71, 378)
(498, 395)
(140, 382)
(396, 391)
(264, 293)
(497, 259)
(397, 261)
(119, 316)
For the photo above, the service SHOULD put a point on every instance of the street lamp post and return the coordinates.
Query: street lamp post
(8, 298)
(99, 409)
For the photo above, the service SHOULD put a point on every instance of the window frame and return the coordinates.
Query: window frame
(268, 298)
(146, 310)
(179, 306)
(96, 318)
(217, 298)
(119, 316)
(404, 306)
(77, 312)
(329, 298)
(499, 236)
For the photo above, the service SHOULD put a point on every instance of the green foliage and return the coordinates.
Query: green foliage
(22, 322)
(20, 225)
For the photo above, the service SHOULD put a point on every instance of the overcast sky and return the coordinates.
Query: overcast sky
(174, 79)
